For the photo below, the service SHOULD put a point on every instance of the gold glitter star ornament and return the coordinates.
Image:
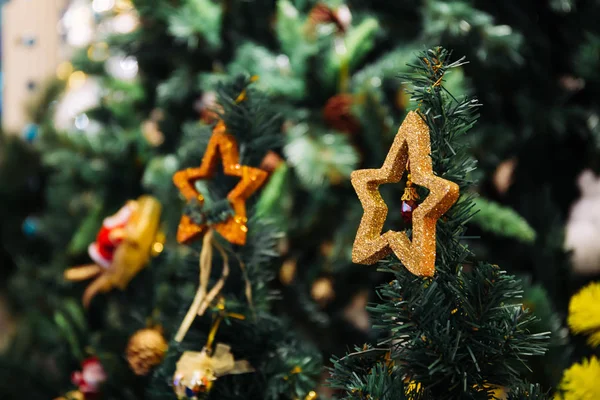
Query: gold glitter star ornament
(223, 145)
(412, 144)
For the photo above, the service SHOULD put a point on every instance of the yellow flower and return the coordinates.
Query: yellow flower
(584, 312)
(594, 339)
(580, 381)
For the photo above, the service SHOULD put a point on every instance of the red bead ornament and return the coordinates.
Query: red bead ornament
(409, 199)
(408, 206)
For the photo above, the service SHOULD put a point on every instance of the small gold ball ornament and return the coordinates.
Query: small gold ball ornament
(287, 273)
(145, 350)
(322, 291)
(312, 395)
(72, 395)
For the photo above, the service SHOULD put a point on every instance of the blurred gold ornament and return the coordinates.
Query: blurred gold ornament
(356, 312)
(123, 5)
(504, 174)
(312, 395)
(76, 80)
(287, 273)
(411, 144)
(72, 395)
(64, 70)
(151, 129)
(98, 51)
(322, 291)
(326, 248)
(136, 240)
(196, 371)
(221, 145)
(159, 244)
(145, 350)
(283, 246)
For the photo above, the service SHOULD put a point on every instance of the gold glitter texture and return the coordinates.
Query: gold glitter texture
(221, 144)
(412, 144)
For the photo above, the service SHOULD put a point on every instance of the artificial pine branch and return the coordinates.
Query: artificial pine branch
(458, 334)
(249, 116)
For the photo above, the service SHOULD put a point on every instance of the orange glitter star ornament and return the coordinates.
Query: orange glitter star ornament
(233, 229)
(411, 144)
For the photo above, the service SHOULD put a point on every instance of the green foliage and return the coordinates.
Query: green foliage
(563, 6)
(70, 320)
(350, 53)
(318, 158)
(528, 391)
(86, 233)
(252, 121)
(197, 20)
(290, 34)
(278, 77)
(360, 376)
(458, 19)
(457, 332)
(120, 98)
(503, 221)
(556, 359)
(273, 202)
(175, 89)
(587, 60)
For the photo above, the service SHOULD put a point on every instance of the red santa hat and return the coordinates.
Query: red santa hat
(97, 250)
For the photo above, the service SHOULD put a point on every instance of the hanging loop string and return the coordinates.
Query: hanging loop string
(204, 298)
(205, 268)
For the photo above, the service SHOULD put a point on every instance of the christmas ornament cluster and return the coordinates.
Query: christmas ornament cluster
(128, 239)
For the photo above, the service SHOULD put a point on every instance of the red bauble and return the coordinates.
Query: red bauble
(338, 114)
(408, 206)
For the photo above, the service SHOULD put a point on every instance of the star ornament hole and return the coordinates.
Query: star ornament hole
(403, 198)
(411, 145)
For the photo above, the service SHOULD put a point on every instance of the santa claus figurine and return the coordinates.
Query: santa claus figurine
(90, 377)
(111, 234)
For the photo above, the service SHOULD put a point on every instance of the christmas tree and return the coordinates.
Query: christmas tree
(319, 81)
